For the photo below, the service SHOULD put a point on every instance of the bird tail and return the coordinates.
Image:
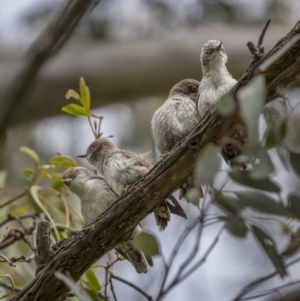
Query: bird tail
(162, 215)
(135, 257)
(175, 207)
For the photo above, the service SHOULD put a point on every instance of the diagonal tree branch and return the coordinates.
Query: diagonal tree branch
(77, 253)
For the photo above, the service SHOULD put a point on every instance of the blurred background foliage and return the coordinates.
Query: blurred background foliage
(131, 53)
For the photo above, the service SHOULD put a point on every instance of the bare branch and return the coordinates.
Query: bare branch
(20, 195)
(259, 281)
(148, 297)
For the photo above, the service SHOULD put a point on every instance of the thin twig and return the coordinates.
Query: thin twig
(7, 260)
(255, 283)
(18, 196)
(112, 289)
(270, 291)
(148, 297)
(262, 35)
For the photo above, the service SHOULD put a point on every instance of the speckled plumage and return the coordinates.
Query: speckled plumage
(121, 168)
(175, 119)
(177, 116)
(96, 196)
(216, 82)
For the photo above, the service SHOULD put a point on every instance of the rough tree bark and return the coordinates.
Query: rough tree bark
(76, 254)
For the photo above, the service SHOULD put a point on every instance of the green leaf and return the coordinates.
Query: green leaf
(75, 109)
(243, 177)
(34, 193)
(28, 172)
(71, 284)
(236, 226)
(295, 162)
(275, 136)
(92, 282)
(251, 99)
(84, 93)
(228, 204)
(262, 203)
(146, 243)
(270, 248)
(226, 105)
(72, 93)
(294, 205)
(64, 161)
(12, 285)
(264, 167)
(31, 153)
(193, 195)
(207, 165)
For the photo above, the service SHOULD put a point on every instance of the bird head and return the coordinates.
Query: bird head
(97, 150)
(212, 55)
(186, 87)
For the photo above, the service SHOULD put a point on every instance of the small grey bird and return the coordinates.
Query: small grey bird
(175, 119)
(96, 196)
(122, 169)
(216, 82)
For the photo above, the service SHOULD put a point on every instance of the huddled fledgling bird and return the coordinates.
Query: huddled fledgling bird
(121, 169)
(175, 119)
(96, 196)
(216, 82)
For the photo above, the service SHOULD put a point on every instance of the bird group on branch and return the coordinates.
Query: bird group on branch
(186, 105)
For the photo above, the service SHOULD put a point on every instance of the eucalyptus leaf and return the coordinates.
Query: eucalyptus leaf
(193, 195)
(71, 284)
(228, 204)
(263, 203)
(295, 162)
(264, 167)
(64, 161)
(146, 243)
(226, 105)
(251, 99)
(84, 93)
(236, 226)
(243, 177)
(92, 281)
(75, 109)
(34, 193)
(31, 153)
(206, 166)
(270, 248)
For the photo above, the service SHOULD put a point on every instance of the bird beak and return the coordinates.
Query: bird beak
(67, 181)
(82, 156)
(219, 47)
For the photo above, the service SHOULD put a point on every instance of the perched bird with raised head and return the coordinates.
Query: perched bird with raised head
(216, 82)
(95, 197)
(121, 169)
(175, 119)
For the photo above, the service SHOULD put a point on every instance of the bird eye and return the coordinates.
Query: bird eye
(194, 89)
(91, 149)
(209, 51)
